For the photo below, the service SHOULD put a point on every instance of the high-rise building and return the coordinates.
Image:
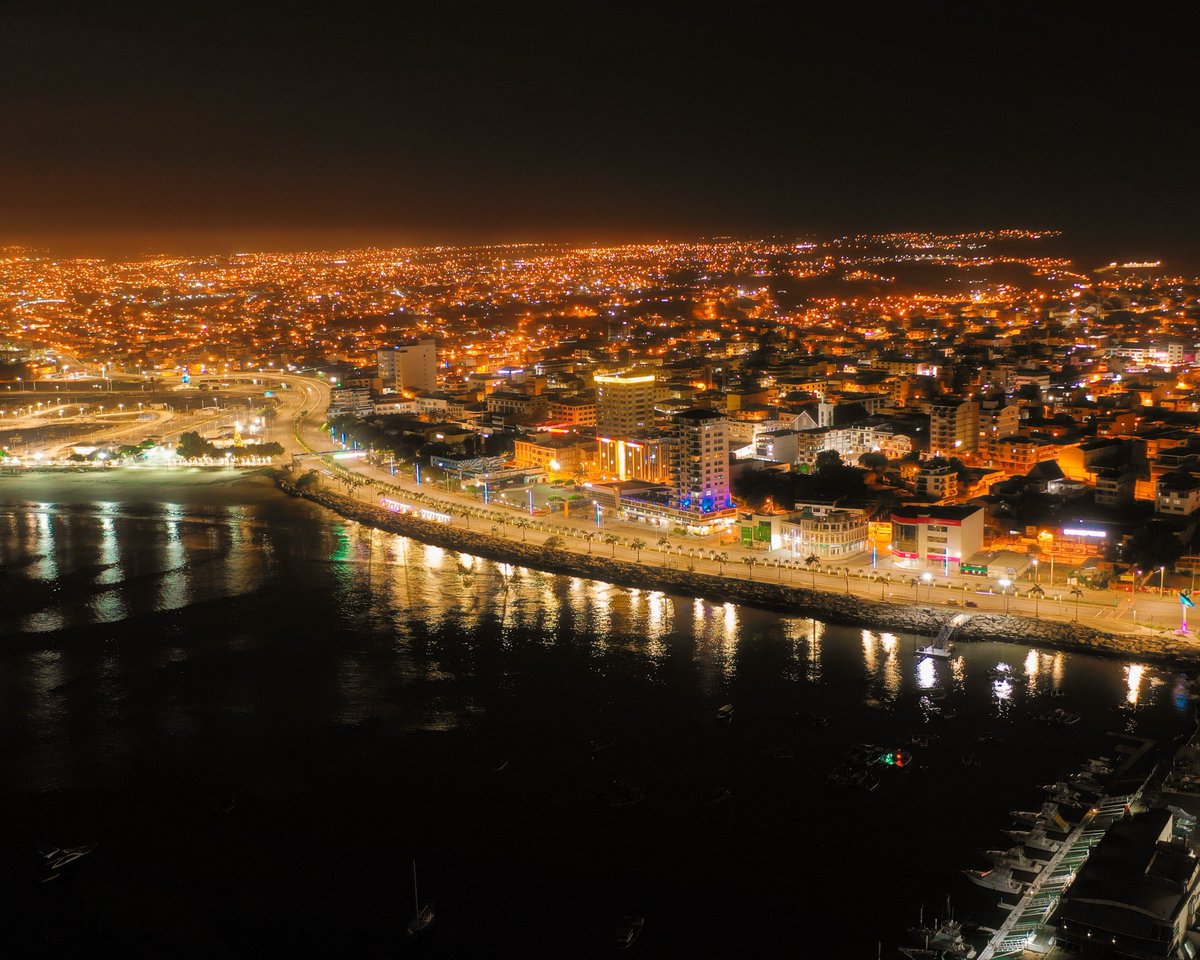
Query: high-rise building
(409, 366)
(646, 457)
(953, 427)
(700, 461)
(624, 402)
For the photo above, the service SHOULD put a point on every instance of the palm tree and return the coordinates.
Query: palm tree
(1077, 594)
(812, 561)
(589, 537)
(612, 540)
(1037, 593)
(664, 544)
(750, 562)
(915, 584)
(522, 525)
(637, 546)
(722, 559)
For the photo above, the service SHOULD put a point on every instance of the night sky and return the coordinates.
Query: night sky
(130, 125)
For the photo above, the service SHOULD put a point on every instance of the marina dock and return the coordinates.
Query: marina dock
(1033, 909)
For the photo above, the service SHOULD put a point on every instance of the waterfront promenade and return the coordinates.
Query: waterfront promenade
(1109, 612)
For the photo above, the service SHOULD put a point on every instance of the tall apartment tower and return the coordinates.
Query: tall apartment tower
(953, 427)
(409, 366)
(700, 459)
(624, 402)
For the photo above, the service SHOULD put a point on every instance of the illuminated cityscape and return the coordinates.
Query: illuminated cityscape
(485, 482)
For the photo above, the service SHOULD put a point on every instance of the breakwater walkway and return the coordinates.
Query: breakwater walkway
(847, 608)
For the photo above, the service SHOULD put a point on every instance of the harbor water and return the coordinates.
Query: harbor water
(261, 714)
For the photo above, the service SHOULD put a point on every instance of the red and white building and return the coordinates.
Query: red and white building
(926, 536)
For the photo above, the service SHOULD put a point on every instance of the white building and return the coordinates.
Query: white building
(411, 366)
(936, 535)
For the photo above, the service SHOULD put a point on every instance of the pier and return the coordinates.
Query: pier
(1028, 914)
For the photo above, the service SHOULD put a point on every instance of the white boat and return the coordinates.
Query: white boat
(998, 878)
(423, 915)
(1014, 858)
(1035, 839)
(725, 712)
(1048, 814)
(1098, 766)
(944, 940)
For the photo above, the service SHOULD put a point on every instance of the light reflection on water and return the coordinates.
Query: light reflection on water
(303, 647)
(437, 612)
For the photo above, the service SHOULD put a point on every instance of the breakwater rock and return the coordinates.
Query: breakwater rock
(822, 605)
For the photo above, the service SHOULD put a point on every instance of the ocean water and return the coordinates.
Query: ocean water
(261, 715)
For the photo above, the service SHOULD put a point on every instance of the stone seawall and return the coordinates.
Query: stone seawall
(800, 601)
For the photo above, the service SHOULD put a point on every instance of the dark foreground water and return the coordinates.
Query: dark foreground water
(262, 714)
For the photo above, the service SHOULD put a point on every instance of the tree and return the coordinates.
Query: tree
(589, 537)
(828, 462)
(664, 544)
(307, 481)
(750, 562)
(1037, 593)
(192, 446)
(1155, 545)
(722, 559)
(522, 525)
(812, 561)
(571, 500)
(554, 542)
(873, 460)
(612, 540)
(1077, 594)
(637, 546)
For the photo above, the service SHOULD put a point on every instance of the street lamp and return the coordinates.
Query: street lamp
(1004, 585)
(928, 578)
(1162, 572)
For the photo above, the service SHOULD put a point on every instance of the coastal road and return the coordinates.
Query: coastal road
(1102, 609)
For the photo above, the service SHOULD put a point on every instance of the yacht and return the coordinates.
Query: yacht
(1014, 858)
(1060, 793)
(998, 878)
(1035, 839)
(944, 940)
(1048, 814)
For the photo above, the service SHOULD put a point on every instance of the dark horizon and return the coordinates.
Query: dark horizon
(134, 128)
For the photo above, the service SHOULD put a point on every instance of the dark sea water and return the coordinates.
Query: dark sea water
(261, 714)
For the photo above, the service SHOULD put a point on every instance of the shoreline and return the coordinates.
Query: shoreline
(786, 598)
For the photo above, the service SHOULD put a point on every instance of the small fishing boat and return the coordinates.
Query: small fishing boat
(627, 930)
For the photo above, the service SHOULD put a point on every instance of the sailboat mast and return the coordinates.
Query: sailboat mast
(416, 899)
